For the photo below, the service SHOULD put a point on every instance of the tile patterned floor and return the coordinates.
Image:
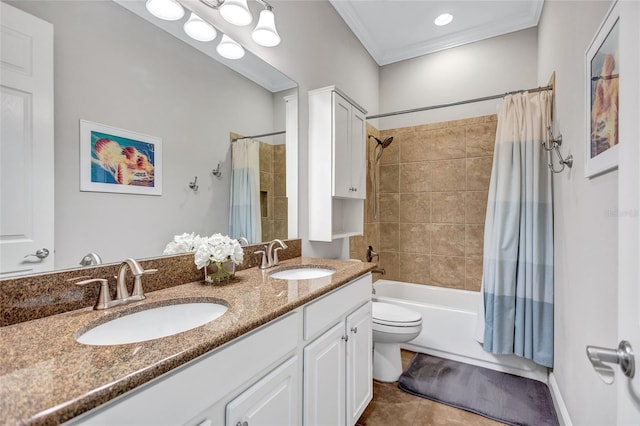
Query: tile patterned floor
(392, 407)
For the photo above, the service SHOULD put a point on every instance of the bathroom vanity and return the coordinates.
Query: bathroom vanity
(285, 352)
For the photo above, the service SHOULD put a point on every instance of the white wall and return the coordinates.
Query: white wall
(585, 229)
(488, 67)
(114, 68)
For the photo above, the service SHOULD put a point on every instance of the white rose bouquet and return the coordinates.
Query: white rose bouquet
(218, 249)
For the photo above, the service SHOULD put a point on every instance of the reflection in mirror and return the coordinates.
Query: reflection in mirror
(115, 68)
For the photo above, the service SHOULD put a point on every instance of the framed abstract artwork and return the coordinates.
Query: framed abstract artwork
(117, 160)
(602, 65)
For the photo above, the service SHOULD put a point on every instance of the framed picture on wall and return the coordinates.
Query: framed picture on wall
(117, 160)
(602, 65)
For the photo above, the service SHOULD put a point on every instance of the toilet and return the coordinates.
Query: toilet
(392, 325)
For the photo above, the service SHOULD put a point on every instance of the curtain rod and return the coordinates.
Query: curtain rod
(468, 101)
(281, 132)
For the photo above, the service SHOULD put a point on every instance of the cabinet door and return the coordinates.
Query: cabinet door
(341, 165)
(359, 362)
(358, 154)
(271, 401)
(324, 379)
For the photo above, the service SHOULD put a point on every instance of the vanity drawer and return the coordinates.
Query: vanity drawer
(321, 314)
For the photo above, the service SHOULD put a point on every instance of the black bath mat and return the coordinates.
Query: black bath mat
(499, 396)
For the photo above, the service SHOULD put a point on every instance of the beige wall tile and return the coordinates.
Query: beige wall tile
(474, 273)
(476, 206)
(391, 153)
(481, 139)
(474, 240)
(431, 126)
(389, 206)
(372, 236)
(448, 271)
(479, 173)
(280, 228)
(414, 268)
(446, 143)
(415, 177)
(389, 236)
(414, 147)
(266, 158)
(414, 238)
(415, 207)
(358, 248)
(279, 158)
(389, 178)
(266, 183)
(447, 207)
(447, 240)
(279, 185)
(448, 175)
(389, 262)
(474, 120)
(280, 208)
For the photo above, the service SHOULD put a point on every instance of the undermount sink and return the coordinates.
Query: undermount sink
(152, 323)
(302, 273)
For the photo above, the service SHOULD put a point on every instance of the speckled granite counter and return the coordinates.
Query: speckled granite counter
(46, 377)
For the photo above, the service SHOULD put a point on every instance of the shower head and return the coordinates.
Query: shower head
(385, 143)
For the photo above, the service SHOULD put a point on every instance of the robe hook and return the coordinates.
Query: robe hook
(216, 172)
(194, 185)
(554, 144)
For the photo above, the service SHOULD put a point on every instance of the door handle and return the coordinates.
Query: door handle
(40, 254)
(622, 356)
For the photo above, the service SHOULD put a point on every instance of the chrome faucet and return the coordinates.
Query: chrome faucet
(91, 259)
(270, 254)
(122, 294)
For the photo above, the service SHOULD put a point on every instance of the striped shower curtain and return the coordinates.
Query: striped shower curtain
(517, 280)
(245, 191)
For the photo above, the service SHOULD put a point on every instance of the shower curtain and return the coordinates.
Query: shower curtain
(245, 190)
(517, 281)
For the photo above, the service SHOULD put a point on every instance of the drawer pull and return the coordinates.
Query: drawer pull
(345, 338)
(354, 330)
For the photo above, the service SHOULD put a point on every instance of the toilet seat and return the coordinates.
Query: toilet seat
(394, 315)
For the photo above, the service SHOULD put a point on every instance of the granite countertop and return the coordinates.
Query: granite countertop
(46, 377)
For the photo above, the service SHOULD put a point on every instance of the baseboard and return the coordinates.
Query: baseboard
(558, 402)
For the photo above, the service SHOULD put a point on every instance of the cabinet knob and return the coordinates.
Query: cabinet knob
(354, 330)
(345, 338)
(245, 423)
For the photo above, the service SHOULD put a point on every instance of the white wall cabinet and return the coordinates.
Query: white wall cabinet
(338, 382)
(323, 347)
(337, 165)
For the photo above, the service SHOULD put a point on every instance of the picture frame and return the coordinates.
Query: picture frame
(601, 101)
(119, 161)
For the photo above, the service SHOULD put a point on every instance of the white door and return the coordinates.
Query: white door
(629, 209)
(342, 185)
(359, 363)
(26, 154)
(271, 401)
(358, 154)
(324, 379)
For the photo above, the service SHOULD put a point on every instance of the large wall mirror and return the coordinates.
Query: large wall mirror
(119, 68)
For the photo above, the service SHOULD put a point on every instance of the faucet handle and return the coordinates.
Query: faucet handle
(265, 263)
(149, 271)
(104, 297)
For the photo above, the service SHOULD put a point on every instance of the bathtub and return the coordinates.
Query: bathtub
(448, 326)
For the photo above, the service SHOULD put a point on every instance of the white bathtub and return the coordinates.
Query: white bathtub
(448, 326)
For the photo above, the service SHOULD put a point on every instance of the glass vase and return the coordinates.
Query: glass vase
(218, 272)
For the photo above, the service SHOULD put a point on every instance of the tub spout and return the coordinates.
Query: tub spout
(378, 271)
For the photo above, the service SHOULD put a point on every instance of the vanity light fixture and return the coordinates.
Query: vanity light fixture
(236, 12)
(198, 29)
(265, 33)
(169, 10)
(443, 19)
(229, 48)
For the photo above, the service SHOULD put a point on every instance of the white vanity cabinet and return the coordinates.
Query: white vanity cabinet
(338, 383)
(337, 165)
(313, 366)
(197, 393)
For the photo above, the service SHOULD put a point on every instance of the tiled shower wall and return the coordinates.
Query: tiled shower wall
(433, 183)
(273, 188)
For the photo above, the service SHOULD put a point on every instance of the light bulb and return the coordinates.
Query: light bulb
(169, 10)
(229, 48)
(198, 29)
(265, 33)
(236, 12)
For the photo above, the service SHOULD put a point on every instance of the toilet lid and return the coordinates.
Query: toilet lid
(389, 314)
